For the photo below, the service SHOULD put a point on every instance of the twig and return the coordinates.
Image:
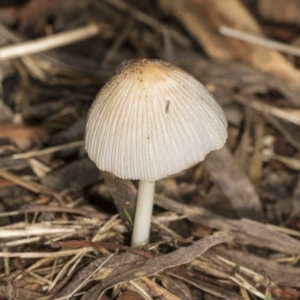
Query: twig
(284, 130)
(117, 42)
(30, 185)
(151, 22)
(49, 42)
(41, 208)
(269, 109)
(290, 162)
(48, 150)
(259, 41)
(283, 230)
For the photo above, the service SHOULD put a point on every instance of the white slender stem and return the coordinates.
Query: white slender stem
(143, 214)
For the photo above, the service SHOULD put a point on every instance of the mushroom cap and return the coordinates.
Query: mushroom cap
(152, 120)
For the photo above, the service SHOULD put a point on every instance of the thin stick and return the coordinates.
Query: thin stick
(31, 185)
(117, 42)
(49, 42)
(290, 162)
(143, 213)
(40, 208)
(269, 109)
(148, 20)
(259, 41)
(284, 130)
(48, 150)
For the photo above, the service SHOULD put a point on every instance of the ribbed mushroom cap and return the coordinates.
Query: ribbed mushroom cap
(152, 120)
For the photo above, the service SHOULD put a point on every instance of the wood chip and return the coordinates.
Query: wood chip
(234, 184)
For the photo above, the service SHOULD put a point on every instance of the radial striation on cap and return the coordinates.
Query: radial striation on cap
(152, 120)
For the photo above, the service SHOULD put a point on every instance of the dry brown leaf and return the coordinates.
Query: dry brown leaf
(198, 28)
(144, 268)
(233, 14)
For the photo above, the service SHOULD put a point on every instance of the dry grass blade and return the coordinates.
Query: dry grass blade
(48, 150)
(115, 262)
(88, 277)
(243, 283)
(21, 242)
(36, 230)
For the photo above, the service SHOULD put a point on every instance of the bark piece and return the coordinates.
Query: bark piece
(78, 175)
(124, 194)
(234, 184)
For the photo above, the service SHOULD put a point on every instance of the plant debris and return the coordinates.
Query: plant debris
(227, 228)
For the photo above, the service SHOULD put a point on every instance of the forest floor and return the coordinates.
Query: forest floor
(227, 228)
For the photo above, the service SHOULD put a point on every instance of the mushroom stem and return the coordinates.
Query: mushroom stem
(143, 213)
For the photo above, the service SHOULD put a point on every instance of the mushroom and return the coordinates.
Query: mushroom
(151, 120)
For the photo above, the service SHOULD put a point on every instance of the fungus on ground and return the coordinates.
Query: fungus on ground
(149, 121)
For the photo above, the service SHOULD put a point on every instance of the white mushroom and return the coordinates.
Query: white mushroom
(149, 121)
